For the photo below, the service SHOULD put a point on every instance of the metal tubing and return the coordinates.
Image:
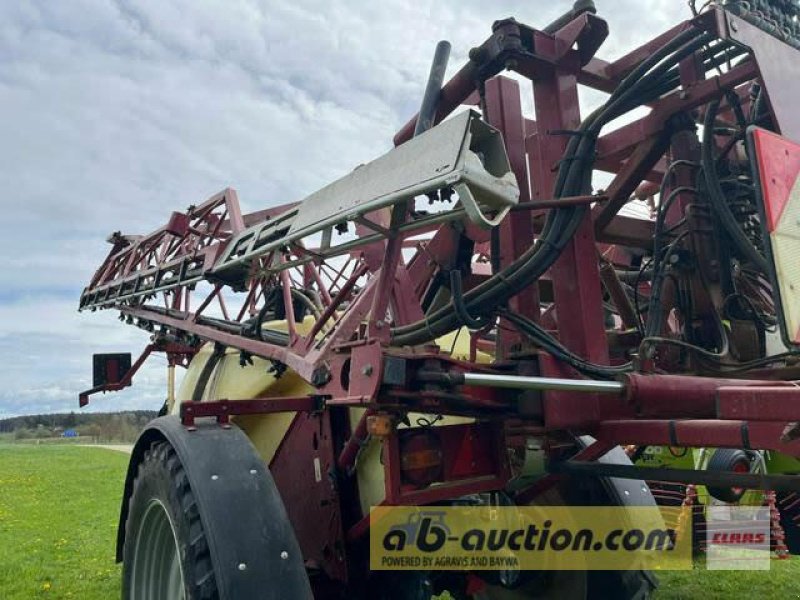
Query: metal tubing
(430, 101)
(754, 481)
(621, 300)
(558, 202)
(170, 387)
(518, 382)
(454, 93)
(698, 433)
(580, 7)
(347, 458)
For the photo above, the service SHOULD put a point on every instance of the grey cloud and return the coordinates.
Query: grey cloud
(114, 113)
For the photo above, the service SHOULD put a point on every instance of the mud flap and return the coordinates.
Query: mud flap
(253, 547)
(622, 492)
(630, 585)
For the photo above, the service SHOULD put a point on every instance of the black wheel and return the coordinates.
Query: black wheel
(579, 585)
(789, 509)
(532, 585)
(729, 459)
(166, 555)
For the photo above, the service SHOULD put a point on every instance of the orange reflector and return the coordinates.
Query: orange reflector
(420, 456)
(421, 459)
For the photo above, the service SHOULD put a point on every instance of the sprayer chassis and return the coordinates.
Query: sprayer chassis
(351, 363)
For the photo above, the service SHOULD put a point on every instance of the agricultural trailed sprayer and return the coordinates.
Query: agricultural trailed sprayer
(469, 317)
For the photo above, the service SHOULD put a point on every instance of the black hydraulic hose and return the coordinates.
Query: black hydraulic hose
(654, 311)
(736, 105)
(574, 177)
(716, 56)
(716, 195)
(205, 374)
(633, 276)
(552, 346)
(457, 294)
(269, 336)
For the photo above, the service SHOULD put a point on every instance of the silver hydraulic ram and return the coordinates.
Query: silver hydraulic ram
(520, 382)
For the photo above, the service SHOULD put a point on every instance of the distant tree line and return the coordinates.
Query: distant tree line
(96, 427)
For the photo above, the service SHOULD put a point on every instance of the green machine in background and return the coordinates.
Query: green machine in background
(723, 459)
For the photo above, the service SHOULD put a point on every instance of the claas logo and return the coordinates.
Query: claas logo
(733, 539)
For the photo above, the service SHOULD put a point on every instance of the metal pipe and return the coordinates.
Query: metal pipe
(580, 7)
(454, 93)
(698, 433)
(358, 439)
(559, 202)
(519, 382)
(753, 481)
(170, 387)
(430, 101)
(621, 300)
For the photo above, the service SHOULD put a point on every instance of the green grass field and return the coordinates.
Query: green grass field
(58, 516)
(59, 506)
(781, 582)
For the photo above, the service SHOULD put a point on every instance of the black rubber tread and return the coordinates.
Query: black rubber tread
(789, 508)
(161, 475)
(724, 459)
(598, 585)
(614, 585)
(621, 585)
(607, 491)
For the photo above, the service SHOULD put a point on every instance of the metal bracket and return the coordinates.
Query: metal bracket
(223, 409)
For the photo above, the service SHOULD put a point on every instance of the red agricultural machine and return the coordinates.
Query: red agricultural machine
(467, 316)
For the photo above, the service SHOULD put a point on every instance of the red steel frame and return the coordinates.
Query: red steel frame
(346, 354)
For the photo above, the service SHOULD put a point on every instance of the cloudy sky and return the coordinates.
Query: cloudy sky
(113, 113)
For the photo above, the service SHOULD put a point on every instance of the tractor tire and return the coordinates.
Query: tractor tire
(728, 459)
(789, 509)
(166, 556)
(536, 585)
(581, 585)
